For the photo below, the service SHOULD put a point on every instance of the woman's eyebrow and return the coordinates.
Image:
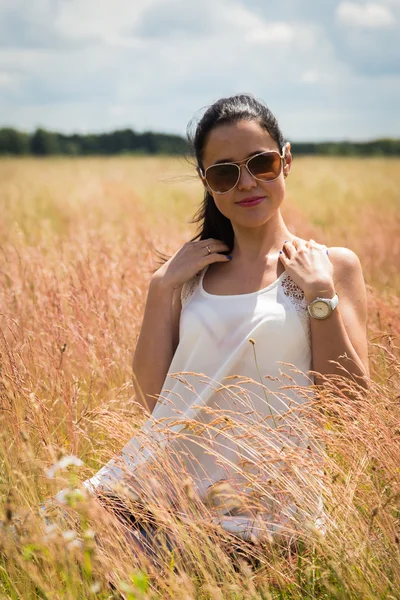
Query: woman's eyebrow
(230, 160)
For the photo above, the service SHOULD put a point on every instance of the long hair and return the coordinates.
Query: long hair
(242, 107)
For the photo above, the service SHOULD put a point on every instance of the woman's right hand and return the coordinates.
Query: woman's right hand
(191, 258)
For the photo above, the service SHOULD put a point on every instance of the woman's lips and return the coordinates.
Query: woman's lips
(251, 201)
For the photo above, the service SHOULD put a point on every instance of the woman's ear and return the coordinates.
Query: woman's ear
(288, 159)
(202, 178)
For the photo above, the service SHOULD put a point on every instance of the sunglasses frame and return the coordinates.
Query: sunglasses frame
(245, 162)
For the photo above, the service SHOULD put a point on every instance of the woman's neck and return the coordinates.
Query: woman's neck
(256, 244)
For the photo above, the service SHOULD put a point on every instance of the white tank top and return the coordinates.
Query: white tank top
(229, 340)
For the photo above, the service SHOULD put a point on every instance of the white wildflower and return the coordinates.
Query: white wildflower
(74, 544)
(68, 494)
(63, 463)
(89, 534)
(69, 535)
(51, 528)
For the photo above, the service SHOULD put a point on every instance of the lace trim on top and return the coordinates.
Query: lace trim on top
(296, 295)
(189, 287)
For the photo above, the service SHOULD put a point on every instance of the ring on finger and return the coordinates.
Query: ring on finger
(208, 249)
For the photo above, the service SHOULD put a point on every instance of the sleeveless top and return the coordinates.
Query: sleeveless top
(233, 405)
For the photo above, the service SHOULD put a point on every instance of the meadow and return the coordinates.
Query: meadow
(78, 247)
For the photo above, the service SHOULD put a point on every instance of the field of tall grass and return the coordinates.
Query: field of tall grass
(78, 241)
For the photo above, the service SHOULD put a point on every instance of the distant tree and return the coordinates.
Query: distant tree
(67, 145)
(170, 144)
(44, 143)
(149, 142)
(88, 143)
(125, 140)
(304, 148)
(387, 147)
(13, 141)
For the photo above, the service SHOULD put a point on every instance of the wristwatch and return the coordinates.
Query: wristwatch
(321, 308)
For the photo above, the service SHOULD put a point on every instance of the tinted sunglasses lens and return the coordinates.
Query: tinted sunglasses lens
(222, 178)
(265, 166)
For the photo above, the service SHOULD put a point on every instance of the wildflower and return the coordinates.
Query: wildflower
(74, 544)
(89, 534)
(69, 535)
(51, 528)
(69, 495)
(63, 463)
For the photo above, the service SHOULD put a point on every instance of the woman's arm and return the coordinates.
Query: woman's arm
(342, 336)
(159, 336)
(157, 342)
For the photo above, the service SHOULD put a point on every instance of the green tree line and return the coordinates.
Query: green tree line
(126, 141)
(45, 143)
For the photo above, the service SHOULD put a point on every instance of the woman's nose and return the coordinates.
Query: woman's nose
(246, 179)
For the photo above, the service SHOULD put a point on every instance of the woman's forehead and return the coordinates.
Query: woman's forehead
(236, 141)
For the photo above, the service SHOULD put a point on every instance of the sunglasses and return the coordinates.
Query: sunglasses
(223, 177)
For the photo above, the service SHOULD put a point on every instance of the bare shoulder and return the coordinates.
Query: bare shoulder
(346, 263)
(343, 256)
(348, 276)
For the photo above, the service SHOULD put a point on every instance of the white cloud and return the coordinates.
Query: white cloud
(369, 16)
(270, 34)
(252, 28)
(310, 76)
(103, 20)
(8, 81)
(118, 111)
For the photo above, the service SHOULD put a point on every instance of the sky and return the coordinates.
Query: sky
(328, 69)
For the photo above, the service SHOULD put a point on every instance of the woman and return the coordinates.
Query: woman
(243, 312)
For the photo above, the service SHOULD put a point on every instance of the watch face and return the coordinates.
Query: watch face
(320, 310)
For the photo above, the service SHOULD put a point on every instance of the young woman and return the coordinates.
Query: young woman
(234, 322)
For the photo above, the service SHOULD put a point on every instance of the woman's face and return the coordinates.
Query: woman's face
(235, 143)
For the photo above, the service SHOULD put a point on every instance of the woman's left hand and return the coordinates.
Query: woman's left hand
(309, 266)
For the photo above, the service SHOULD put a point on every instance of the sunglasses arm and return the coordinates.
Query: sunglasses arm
(202, 176)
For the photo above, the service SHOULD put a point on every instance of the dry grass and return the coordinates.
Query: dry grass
(78, 239)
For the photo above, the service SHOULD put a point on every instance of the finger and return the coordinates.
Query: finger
(299, 244)
(217, 257)
(212, 247)
(288, 248)
(283, 257)
(319, 248)
(314, 244)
